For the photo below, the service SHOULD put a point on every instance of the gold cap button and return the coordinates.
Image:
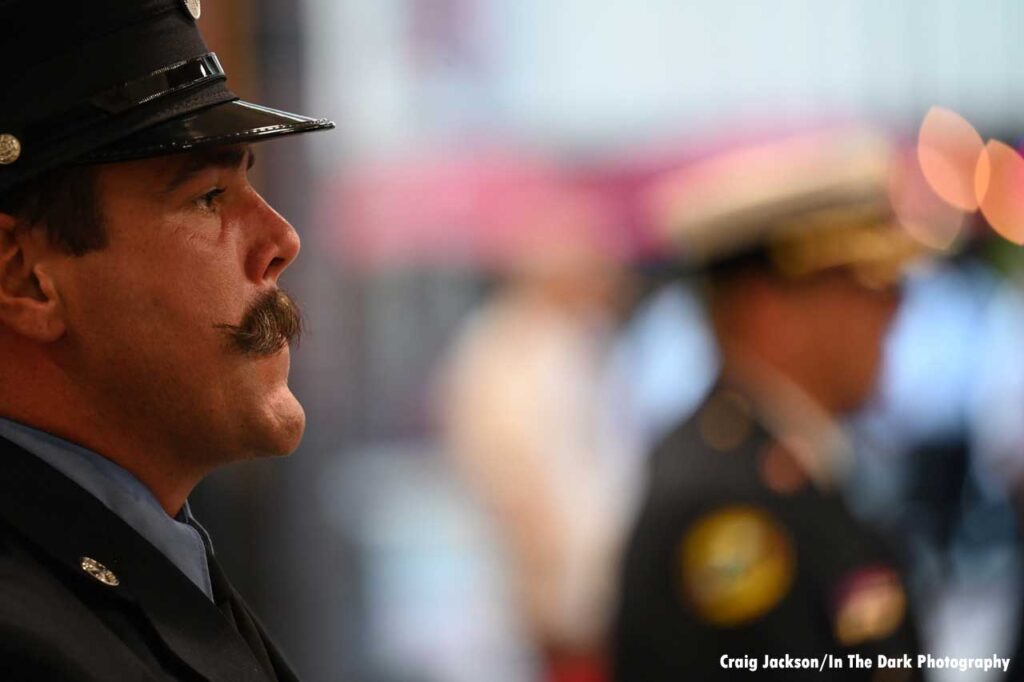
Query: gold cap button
(99, 571)
(10, 149)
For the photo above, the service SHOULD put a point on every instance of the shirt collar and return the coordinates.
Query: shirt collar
(182, 540)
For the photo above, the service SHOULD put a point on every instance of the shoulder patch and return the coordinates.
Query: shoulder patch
(736, 563)
(870, 604)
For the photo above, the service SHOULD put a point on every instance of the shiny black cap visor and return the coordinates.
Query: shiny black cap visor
(233, 122)
(113, 80)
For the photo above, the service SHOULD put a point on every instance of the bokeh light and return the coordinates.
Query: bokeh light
(1000, 189)
(928, 218)
(948, 148)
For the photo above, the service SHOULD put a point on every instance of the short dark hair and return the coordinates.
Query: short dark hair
(65, 203)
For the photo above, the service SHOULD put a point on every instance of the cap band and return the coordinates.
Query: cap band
(187, 74)
(163, 82)
(179, 77)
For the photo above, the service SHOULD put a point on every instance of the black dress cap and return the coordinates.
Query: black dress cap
(111, 80)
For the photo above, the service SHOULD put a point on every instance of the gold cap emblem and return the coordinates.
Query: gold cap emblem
(194, 8)
(10, 149)
(99, 571)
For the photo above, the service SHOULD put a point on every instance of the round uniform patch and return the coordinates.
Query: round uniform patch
(869, 605)
(737, 565)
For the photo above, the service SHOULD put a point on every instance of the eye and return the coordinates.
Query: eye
(208, 201)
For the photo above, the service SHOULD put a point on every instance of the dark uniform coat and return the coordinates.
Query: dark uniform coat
(738, 553)
(83, 597)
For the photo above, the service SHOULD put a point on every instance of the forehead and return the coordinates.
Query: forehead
(165, 174)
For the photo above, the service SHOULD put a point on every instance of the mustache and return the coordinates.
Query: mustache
(272, 322)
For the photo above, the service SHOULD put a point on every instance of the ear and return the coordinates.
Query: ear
(29, 302)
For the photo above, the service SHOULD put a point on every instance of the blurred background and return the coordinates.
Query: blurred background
(492, 354)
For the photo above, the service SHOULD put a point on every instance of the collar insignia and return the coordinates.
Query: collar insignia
(193, 7)
(10, 149)
(99, 571)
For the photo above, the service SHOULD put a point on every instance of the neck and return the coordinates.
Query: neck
(56, 406)
(169, 484)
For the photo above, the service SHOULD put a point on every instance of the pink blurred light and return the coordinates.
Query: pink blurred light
(428, 208)
(483, 208)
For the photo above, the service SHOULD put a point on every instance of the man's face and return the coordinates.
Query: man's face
(849, 323)
(192, 248)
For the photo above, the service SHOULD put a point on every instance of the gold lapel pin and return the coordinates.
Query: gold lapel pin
(194, 8)
(99, 571)
(10, 149)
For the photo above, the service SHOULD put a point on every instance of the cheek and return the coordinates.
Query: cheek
(882, 312)
(154, 309)
(197, 296)
(876, 318)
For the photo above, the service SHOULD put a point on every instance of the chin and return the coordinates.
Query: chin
(280, 429)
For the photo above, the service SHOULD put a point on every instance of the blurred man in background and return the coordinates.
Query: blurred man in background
(143, 342)
(743, 547)
(529, 424)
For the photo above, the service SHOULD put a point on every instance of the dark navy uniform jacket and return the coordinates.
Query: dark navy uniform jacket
(738, 553)
(59, 621)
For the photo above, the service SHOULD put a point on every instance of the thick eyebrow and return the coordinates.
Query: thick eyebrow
(229, 158)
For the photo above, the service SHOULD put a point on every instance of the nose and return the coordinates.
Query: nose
(276, 246)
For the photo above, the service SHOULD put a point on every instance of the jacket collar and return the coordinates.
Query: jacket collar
(182, 540)
(69, 524)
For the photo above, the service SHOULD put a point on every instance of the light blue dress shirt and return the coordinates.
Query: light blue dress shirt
(183, 541)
